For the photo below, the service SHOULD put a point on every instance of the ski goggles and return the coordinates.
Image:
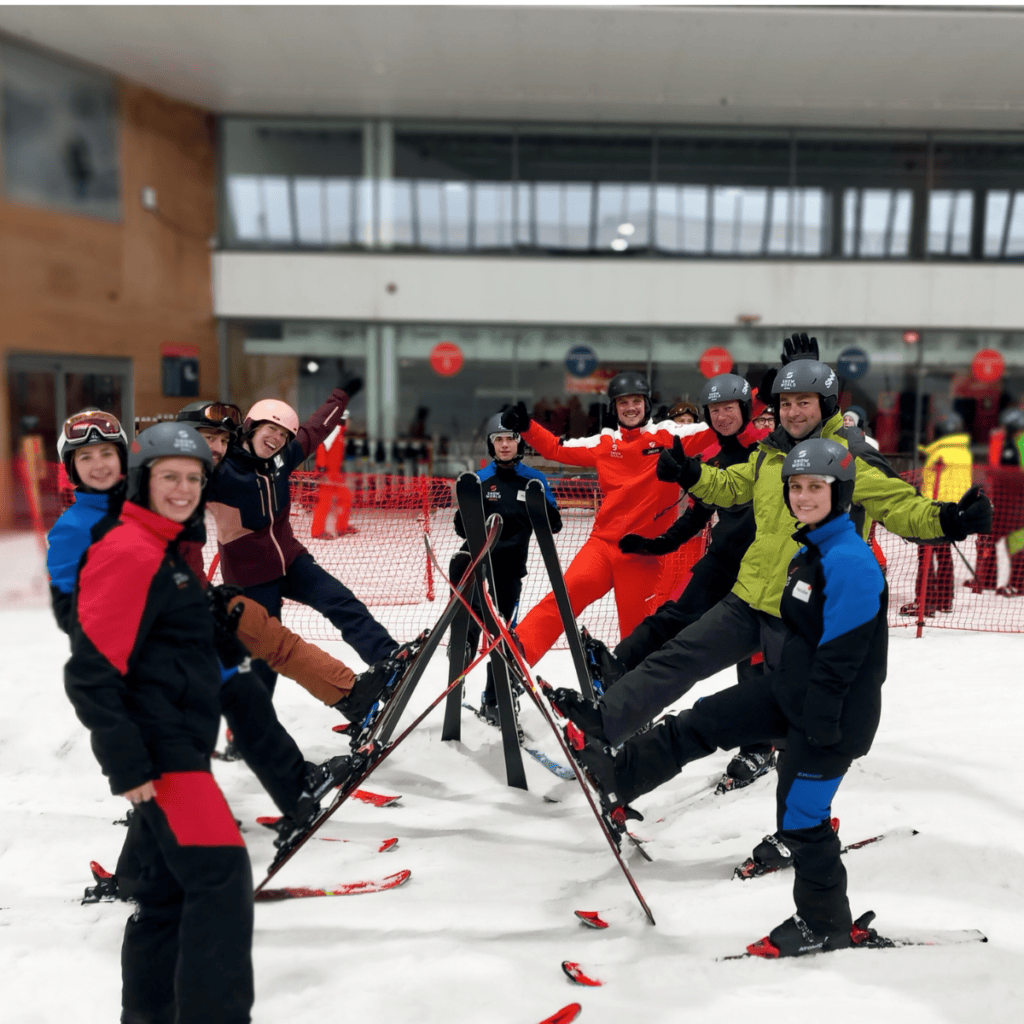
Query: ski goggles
(505, 435)
(221, 414)
(82, 424)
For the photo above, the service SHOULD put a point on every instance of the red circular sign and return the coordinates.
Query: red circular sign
(715, 361)
(446, 358)
(987, 365)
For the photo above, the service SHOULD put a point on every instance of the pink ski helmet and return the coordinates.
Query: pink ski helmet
(271, 410)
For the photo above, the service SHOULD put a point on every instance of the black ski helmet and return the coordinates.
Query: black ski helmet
(210, 413)
(951, 423)
(494, 427)
(163, 441)
(727, 387)
(630, 382)
(811, 377)
(88, 427)
(821, 456)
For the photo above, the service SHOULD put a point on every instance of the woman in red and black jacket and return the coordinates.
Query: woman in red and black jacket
(250, 500)
(144, 678)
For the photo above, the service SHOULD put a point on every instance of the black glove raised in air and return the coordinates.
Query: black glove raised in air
(675, 466)
(517, 419)
(352, 386)
(971, 514)
(799, 346)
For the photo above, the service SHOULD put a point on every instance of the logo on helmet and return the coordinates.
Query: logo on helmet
(788, 383)
(183, 442)
(714, 395)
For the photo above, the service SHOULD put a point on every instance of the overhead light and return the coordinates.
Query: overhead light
(312, 366)
(627, 228)
(618, 244)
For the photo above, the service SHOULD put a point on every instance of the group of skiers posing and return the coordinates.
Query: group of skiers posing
(158, 655)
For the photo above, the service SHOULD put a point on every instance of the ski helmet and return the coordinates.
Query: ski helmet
(820, 456)
(807, 376)
(630, 382)
(271, 410)
(163, 441)
(89, 427)
(1012, 419)
(859, 415)
(215, 415)
(952, 423)
(494, 428)
(726, 387)
(681, 408)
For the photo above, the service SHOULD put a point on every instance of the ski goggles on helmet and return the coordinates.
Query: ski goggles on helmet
(221, 414)
(82, 424)
(506, 435)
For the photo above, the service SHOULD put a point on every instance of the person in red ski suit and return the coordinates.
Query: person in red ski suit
(332, 495)
(634, 501)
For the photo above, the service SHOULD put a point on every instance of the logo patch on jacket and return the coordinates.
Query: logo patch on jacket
(802, 591)
(181, 579)
(655, 449)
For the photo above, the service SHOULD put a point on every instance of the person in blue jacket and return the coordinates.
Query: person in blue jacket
(94, 450)
(824, 698)
(504, 484)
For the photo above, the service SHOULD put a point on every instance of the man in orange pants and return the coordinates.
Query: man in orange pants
(634, 501)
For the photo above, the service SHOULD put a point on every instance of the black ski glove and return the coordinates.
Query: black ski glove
(675, 466)
(971, 514)
(352, 387)
(764, 389)
(517, 419)
(633, 543)
(799, 347)
(231, 652)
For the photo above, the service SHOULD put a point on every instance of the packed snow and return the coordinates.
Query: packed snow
(479, 932)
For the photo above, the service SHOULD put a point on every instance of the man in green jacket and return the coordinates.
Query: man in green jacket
(805, 395)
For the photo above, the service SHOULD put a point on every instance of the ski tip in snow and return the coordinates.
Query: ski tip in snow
(388, 844)
(576, 974)
(347, 889)
(591, 918)
(375, 798)
(343, 727)
(98, 871)
(565, 1015)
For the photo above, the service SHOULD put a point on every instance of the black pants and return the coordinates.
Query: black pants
(187, 951)
(728, 633)
(508, 586)
(309, 584)
(808, 779)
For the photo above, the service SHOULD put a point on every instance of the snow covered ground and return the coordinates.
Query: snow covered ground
(478, 933)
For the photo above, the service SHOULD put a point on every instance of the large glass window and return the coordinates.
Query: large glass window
(60, 136)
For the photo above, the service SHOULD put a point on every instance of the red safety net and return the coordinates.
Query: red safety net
(977, 584)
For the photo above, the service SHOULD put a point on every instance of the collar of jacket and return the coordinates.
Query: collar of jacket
(505, 470)
(746, 438)
(93, 499)
(159, 526)
(821, 536)
(949, 441)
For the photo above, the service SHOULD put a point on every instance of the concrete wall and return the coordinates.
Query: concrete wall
(642, 291)
(75, 285)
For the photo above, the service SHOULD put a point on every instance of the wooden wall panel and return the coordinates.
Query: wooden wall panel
(77, 285)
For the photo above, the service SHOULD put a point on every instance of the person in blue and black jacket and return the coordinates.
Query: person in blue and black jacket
(824, 698)
(504, 483)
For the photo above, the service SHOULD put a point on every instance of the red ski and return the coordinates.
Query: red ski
(348, 889)
(591, 918)
(575, 974)
(375, 798)
(566, 1015)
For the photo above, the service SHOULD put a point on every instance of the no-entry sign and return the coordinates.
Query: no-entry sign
(715, 361)
(987, 365)
(446, 359)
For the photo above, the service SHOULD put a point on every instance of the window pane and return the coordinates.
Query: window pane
(1015, 236)
(60, 136)
(997, 206)
(738, 220)
(453, 155)
(341, 198)
(492, 215)
(622, 216)
(309, 211)
(244, 208)
(562, 215)
(949, 222)
(877, 222)
(276, 211)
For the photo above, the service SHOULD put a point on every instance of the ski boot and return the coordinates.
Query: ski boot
(911, 610)
(771, 854)
(374, 688)
(794, 937)
(584, 714)
(744, 768)
(320, 780)
(231, 751)
(605, 669)
(105, 889)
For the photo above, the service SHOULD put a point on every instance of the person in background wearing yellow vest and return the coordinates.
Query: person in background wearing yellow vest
(946, 476)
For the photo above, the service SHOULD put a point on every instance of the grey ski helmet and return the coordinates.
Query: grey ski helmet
(494, 427)
(630, 382)
(820, 456)
(726, 387)
(163, 441)
(807, 376)
(1012, 419)
(952, 423)
(88, 427)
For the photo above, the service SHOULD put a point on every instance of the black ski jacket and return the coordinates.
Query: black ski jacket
(143, 674)
(833, 662)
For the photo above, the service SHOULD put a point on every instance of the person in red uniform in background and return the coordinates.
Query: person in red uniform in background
(634, 501)
(1006, 490)
(332, 495)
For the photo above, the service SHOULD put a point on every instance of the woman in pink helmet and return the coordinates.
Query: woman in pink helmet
(249, 497)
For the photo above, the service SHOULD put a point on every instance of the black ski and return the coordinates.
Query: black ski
(613, 830)
(537, 506)
(375, 747)
(469, 495)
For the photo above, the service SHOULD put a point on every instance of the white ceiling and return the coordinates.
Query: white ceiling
(899, 67)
